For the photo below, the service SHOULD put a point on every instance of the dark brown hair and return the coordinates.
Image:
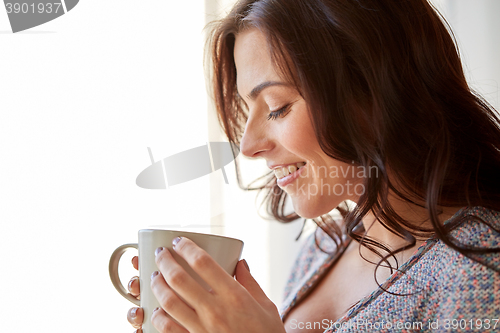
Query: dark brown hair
(385, 88)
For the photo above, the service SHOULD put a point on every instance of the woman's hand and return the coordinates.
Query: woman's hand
(135, 316)
(230, 306)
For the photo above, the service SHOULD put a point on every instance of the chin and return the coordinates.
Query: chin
(309, 209)
(314, 206)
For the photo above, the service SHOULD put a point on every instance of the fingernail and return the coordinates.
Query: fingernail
(176, 241)
(132, 281)
(158, 308)
(154, 274)
(158, 250)
(133, 313)
(246, 265)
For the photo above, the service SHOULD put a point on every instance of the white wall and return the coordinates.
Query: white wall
(81, 99)
(477, 29)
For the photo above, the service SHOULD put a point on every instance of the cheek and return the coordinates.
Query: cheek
(298, 134)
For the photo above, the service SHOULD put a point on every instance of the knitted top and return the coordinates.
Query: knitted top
(450, 292)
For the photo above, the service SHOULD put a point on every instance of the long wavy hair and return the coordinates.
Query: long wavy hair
(385, 88)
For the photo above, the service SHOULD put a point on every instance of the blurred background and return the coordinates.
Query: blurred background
(81, 99)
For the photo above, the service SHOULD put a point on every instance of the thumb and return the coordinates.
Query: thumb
(246, 279)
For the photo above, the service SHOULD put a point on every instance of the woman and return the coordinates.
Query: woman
(363, 101)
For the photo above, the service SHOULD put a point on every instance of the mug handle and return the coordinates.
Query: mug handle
(113, 271)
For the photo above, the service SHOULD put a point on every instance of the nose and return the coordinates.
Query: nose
(256, 139)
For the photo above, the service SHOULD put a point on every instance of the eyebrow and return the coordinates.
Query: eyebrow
(258, 88)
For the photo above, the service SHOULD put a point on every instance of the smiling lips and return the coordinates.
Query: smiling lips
(288, 173)
(285, 171)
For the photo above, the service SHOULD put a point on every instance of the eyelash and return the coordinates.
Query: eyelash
(279, 113)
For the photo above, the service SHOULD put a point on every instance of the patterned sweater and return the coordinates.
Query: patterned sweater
(451, 292)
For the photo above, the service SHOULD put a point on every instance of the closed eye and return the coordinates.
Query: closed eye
(279, 113)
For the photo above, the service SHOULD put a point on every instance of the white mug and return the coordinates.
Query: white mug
(225, 251)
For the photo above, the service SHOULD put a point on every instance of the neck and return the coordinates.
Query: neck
(412, 213)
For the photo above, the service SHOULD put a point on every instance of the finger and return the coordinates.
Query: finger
(246, 279)
(134, 286)
(135, 262)
(173, 304)
(163, 323)
(203, 264)
(139, 330)
(135, 317)
(179, 280)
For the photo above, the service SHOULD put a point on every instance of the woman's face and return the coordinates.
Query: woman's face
(280, 131)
